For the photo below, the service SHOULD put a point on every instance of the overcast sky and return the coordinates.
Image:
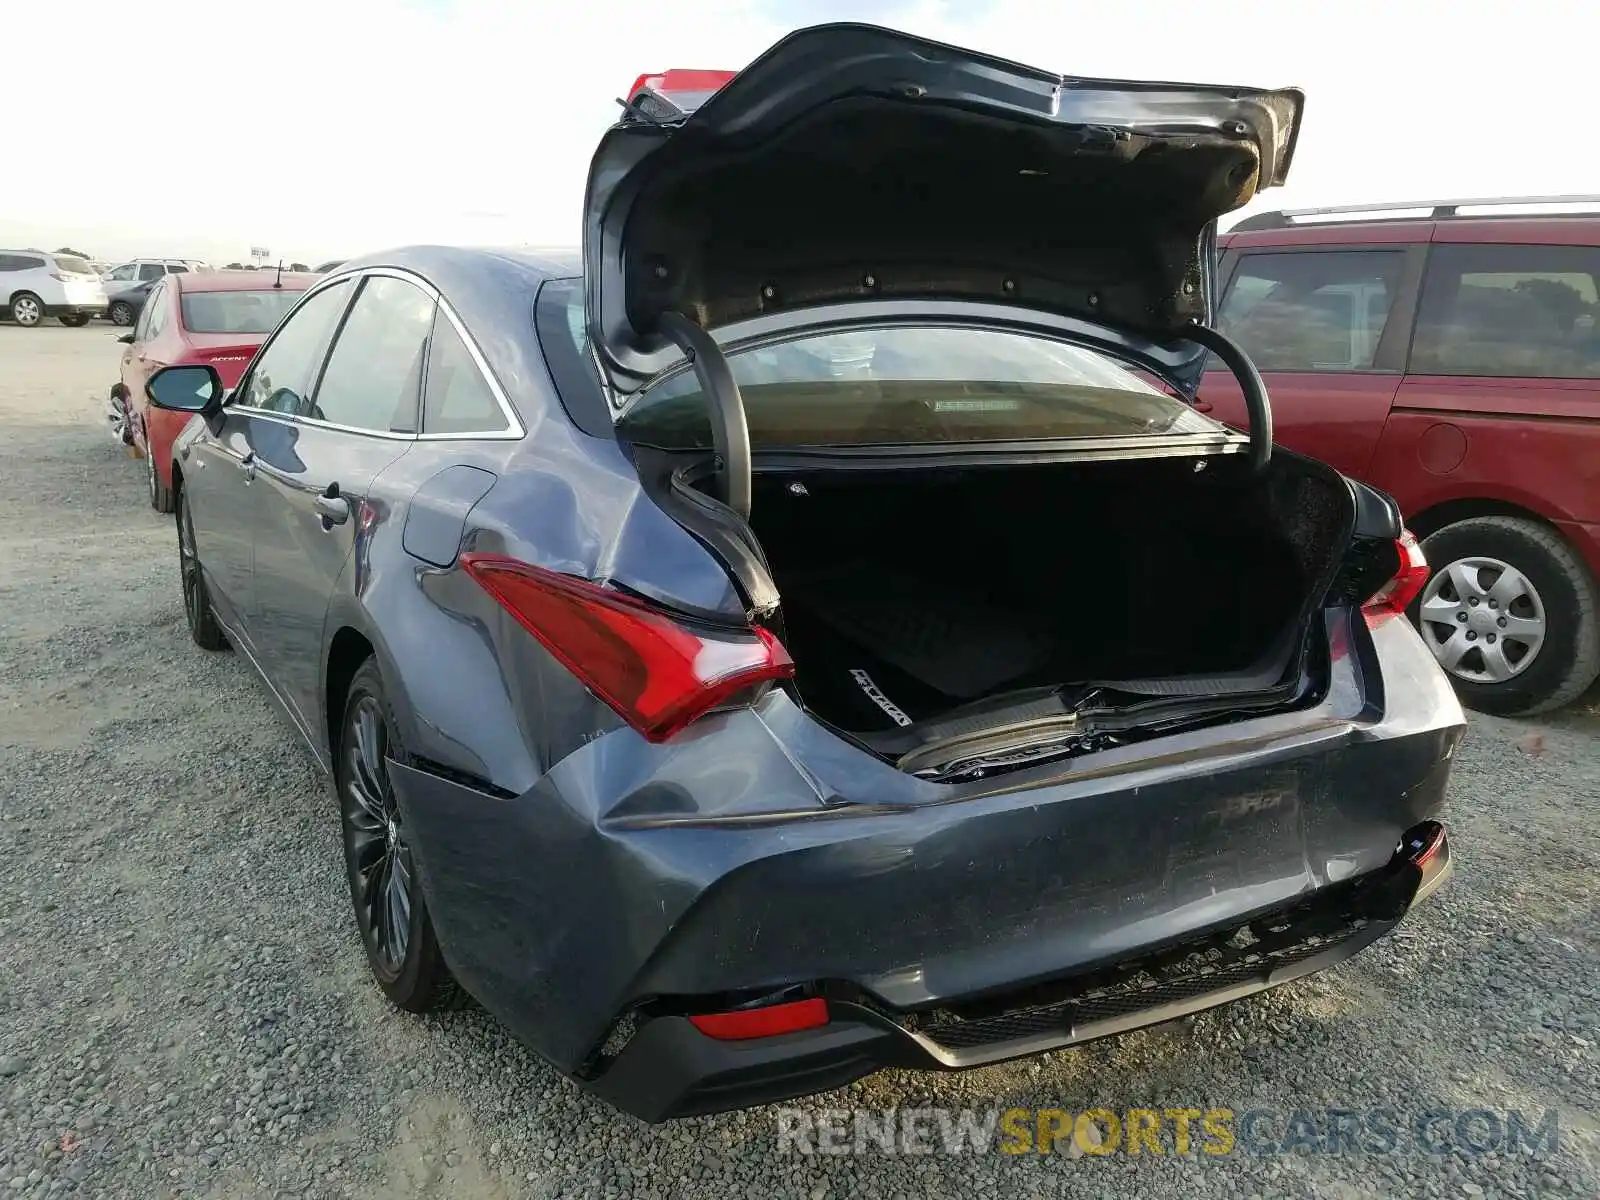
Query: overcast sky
(326, 128)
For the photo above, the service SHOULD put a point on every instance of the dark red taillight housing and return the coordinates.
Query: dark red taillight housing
(656, 672)
(1405, 585)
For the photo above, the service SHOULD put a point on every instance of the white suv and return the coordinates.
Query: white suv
(143, 270)
(35, 285)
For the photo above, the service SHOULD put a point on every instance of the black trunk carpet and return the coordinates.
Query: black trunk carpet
(940, 633)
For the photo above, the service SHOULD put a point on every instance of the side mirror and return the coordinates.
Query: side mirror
(186, 389)
(126, 339)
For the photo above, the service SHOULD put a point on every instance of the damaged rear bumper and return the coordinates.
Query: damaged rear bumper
(668, 1068)
(637, 884)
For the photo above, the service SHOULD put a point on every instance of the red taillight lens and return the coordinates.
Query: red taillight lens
(763, 1022)
(681, 82)
(1406, 585)
(658, 674)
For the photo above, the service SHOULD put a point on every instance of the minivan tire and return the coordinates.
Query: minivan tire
(27, 309)
(1568, 660)
(121, 313)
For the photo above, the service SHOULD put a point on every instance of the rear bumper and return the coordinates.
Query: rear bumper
(669, 1069)
(759, 852)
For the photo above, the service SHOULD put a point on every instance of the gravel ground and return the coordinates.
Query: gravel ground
(184, 1007)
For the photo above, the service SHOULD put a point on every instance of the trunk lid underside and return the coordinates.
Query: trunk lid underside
(851, 163)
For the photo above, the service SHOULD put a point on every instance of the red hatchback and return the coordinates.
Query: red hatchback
(1452, 360)
(219, 318)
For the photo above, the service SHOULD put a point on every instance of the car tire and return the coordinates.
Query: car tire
(74, 320)
(202, 619)
(1549, 587)
(27, 309)
(390, 912)
(160, 493)
(120, 313)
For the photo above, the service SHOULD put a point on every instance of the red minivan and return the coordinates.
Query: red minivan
(215, 317)
(1452, 360)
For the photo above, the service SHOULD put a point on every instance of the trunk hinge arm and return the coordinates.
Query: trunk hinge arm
(1256, 403)
(730, 433)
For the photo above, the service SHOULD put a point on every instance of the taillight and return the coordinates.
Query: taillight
(682, 82)
(657, 673)
(1407, 582)
(763, 1022)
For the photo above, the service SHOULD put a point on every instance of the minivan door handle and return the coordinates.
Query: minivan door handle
(332, 507)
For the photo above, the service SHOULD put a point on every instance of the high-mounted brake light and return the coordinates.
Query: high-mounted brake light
(657, 673)
(1406, 584)
(685, 88)
(763, 1022)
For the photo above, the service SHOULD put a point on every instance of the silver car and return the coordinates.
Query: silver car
(35, 285)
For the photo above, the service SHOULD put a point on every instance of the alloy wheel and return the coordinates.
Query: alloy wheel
(25, 310)
(121, 314)
(188, 564)
(1483, 619)
(380, 862)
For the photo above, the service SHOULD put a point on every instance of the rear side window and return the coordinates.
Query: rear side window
(457, 398)
(1311, 311)
(20, 262)
(374, 375)
(916, 384)
(1517, 311)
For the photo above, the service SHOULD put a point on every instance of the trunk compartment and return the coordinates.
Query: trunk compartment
(917, 602)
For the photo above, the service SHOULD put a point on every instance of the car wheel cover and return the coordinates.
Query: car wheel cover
(380, 862)
(1483, 619)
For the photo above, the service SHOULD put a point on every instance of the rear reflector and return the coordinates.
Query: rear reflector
(655, 672)
(763, 1022)
(1407, 583)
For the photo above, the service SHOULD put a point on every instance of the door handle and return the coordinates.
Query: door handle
(332, 507)
(247, 464)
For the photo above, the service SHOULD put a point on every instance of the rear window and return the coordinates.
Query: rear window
(236, 312)
(68, 265)
(917, 384)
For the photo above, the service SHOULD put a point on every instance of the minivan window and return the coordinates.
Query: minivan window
(1511, 311)
(916, 384)
(1311, 310)
(148, 271)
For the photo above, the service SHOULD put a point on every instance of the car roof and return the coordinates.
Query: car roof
(241, 281)
(466, 261)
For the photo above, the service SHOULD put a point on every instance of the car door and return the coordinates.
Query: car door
(1327, 329)
(361, 417)
(220, 465)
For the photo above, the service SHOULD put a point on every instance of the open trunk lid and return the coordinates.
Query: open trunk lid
(855, 164)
